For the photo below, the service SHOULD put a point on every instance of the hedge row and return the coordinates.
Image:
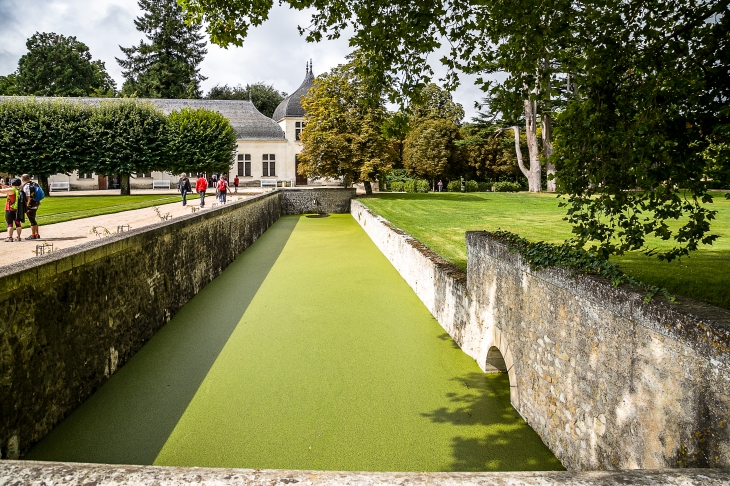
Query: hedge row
(45, 137)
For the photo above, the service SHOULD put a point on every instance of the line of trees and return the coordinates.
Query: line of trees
(631, 97)
(122, 137)
(349, 135)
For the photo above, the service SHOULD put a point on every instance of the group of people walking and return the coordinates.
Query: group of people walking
(23, 198)
(201, 185)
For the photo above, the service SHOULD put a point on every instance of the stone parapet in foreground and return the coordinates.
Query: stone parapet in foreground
(18, 473)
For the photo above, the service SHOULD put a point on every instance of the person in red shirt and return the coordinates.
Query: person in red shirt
(235, 184)
(200, 186)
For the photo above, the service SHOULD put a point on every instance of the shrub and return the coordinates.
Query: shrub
(472, 186)
(485, 186)
(396, 186)
(422, 186)
(454, 186)
(409, 186)
(507, 186)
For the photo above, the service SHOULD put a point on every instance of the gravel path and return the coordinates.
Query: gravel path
(77, 232)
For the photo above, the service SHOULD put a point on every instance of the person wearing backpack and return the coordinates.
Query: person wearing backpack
(33, 197)
(223, 189)
(14, 208)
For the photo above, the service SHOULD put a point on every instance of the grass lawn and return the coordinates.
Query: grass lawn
(67, 208)
(439, 220)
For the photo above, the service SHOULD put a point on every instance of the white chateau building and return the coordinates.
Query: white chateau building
(267, 147)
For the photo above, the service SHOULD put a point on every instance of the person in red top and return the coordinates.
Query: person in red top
(200, 186)
(235, 184)
(223, 189)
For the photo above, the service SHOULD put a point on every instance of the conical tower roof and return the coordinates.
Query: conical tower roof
(292, 104)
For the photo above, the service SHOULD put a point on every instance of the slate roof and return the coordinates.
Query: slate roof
(249, 123)
(292, 104)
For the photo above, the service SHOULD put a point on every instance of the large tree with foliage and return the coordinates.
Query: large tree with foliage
(168, 65)
(487, 153)
(9, 85)
(127, 137)
(263, 96)
(342, 137)
(430, 150)
(43, 137)
(199, 141)
(652, 97)
(434, 102)
(56, 65)
(643, 79)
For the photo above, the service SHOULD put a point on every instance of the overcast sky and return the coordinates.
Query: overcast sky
(273, 53)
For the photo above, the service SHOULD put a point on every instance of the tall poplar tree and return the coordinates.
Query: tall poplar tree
(167, 66)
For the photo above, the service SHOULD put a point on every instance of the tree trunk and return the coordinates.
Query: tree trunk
(547, 148)
(43, 182)
(368, 187)
(124, 184)
(534, 179)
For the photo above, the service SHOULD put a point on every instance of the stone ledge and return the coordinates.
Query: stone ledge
(704, 326)
(30, 472)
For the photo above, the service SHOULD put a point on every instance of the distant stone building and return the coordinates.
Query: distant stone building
(267, 148)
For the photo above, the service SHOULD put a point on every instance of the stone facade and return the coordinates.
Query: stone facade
(316, 200)
(607, 380)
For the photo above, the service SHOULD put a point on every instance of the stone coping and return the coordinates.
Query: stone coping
(47, 473)
(703, 326)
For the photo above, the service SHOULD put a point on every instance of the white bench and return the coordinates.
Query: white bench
(269, 183)
(161, 184)
(57, 186)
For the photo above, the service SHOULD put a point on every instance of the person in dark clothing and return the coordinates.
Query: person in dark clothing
(183, 185)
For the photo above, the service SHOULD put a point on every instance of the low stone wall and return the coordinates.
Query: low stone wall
(316, 200)
(607, 380)
(73, 317)
(74, 474)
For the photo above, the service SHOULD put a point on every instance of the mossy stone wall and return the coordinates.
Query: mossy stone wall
(72, 318)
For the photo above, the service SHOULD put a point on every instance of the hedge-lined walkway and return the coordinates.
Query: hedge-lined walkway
(308, 352)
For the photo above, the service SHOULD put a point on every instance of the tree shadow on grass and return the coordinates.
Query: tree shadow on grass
(508, 443)
(129, 419)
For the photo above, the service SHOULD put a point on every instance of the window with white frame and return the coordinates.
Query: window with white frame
(298, 127)
(87, 175)
(269, 165)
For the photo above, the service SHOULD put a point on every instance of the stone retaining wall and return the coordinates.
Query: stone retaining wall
(607, 380)
(302, 200)
(73, 317)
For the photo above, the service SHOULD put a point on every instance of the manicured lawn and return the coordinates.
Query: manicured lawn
(67, 208)
(440, 221)
(309, 352)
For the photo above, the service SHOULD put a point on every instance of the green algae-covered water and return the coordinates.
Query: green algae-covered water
(308, 352)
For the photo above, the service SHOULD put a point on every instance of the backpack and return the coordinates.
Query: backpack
(222, 185)
(36, 192)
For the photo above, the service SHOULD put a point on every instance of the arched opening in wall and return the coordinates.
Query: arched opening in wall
(495, 361)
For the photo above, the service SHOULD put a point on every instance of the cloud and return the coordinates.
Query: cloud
(273, 53)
